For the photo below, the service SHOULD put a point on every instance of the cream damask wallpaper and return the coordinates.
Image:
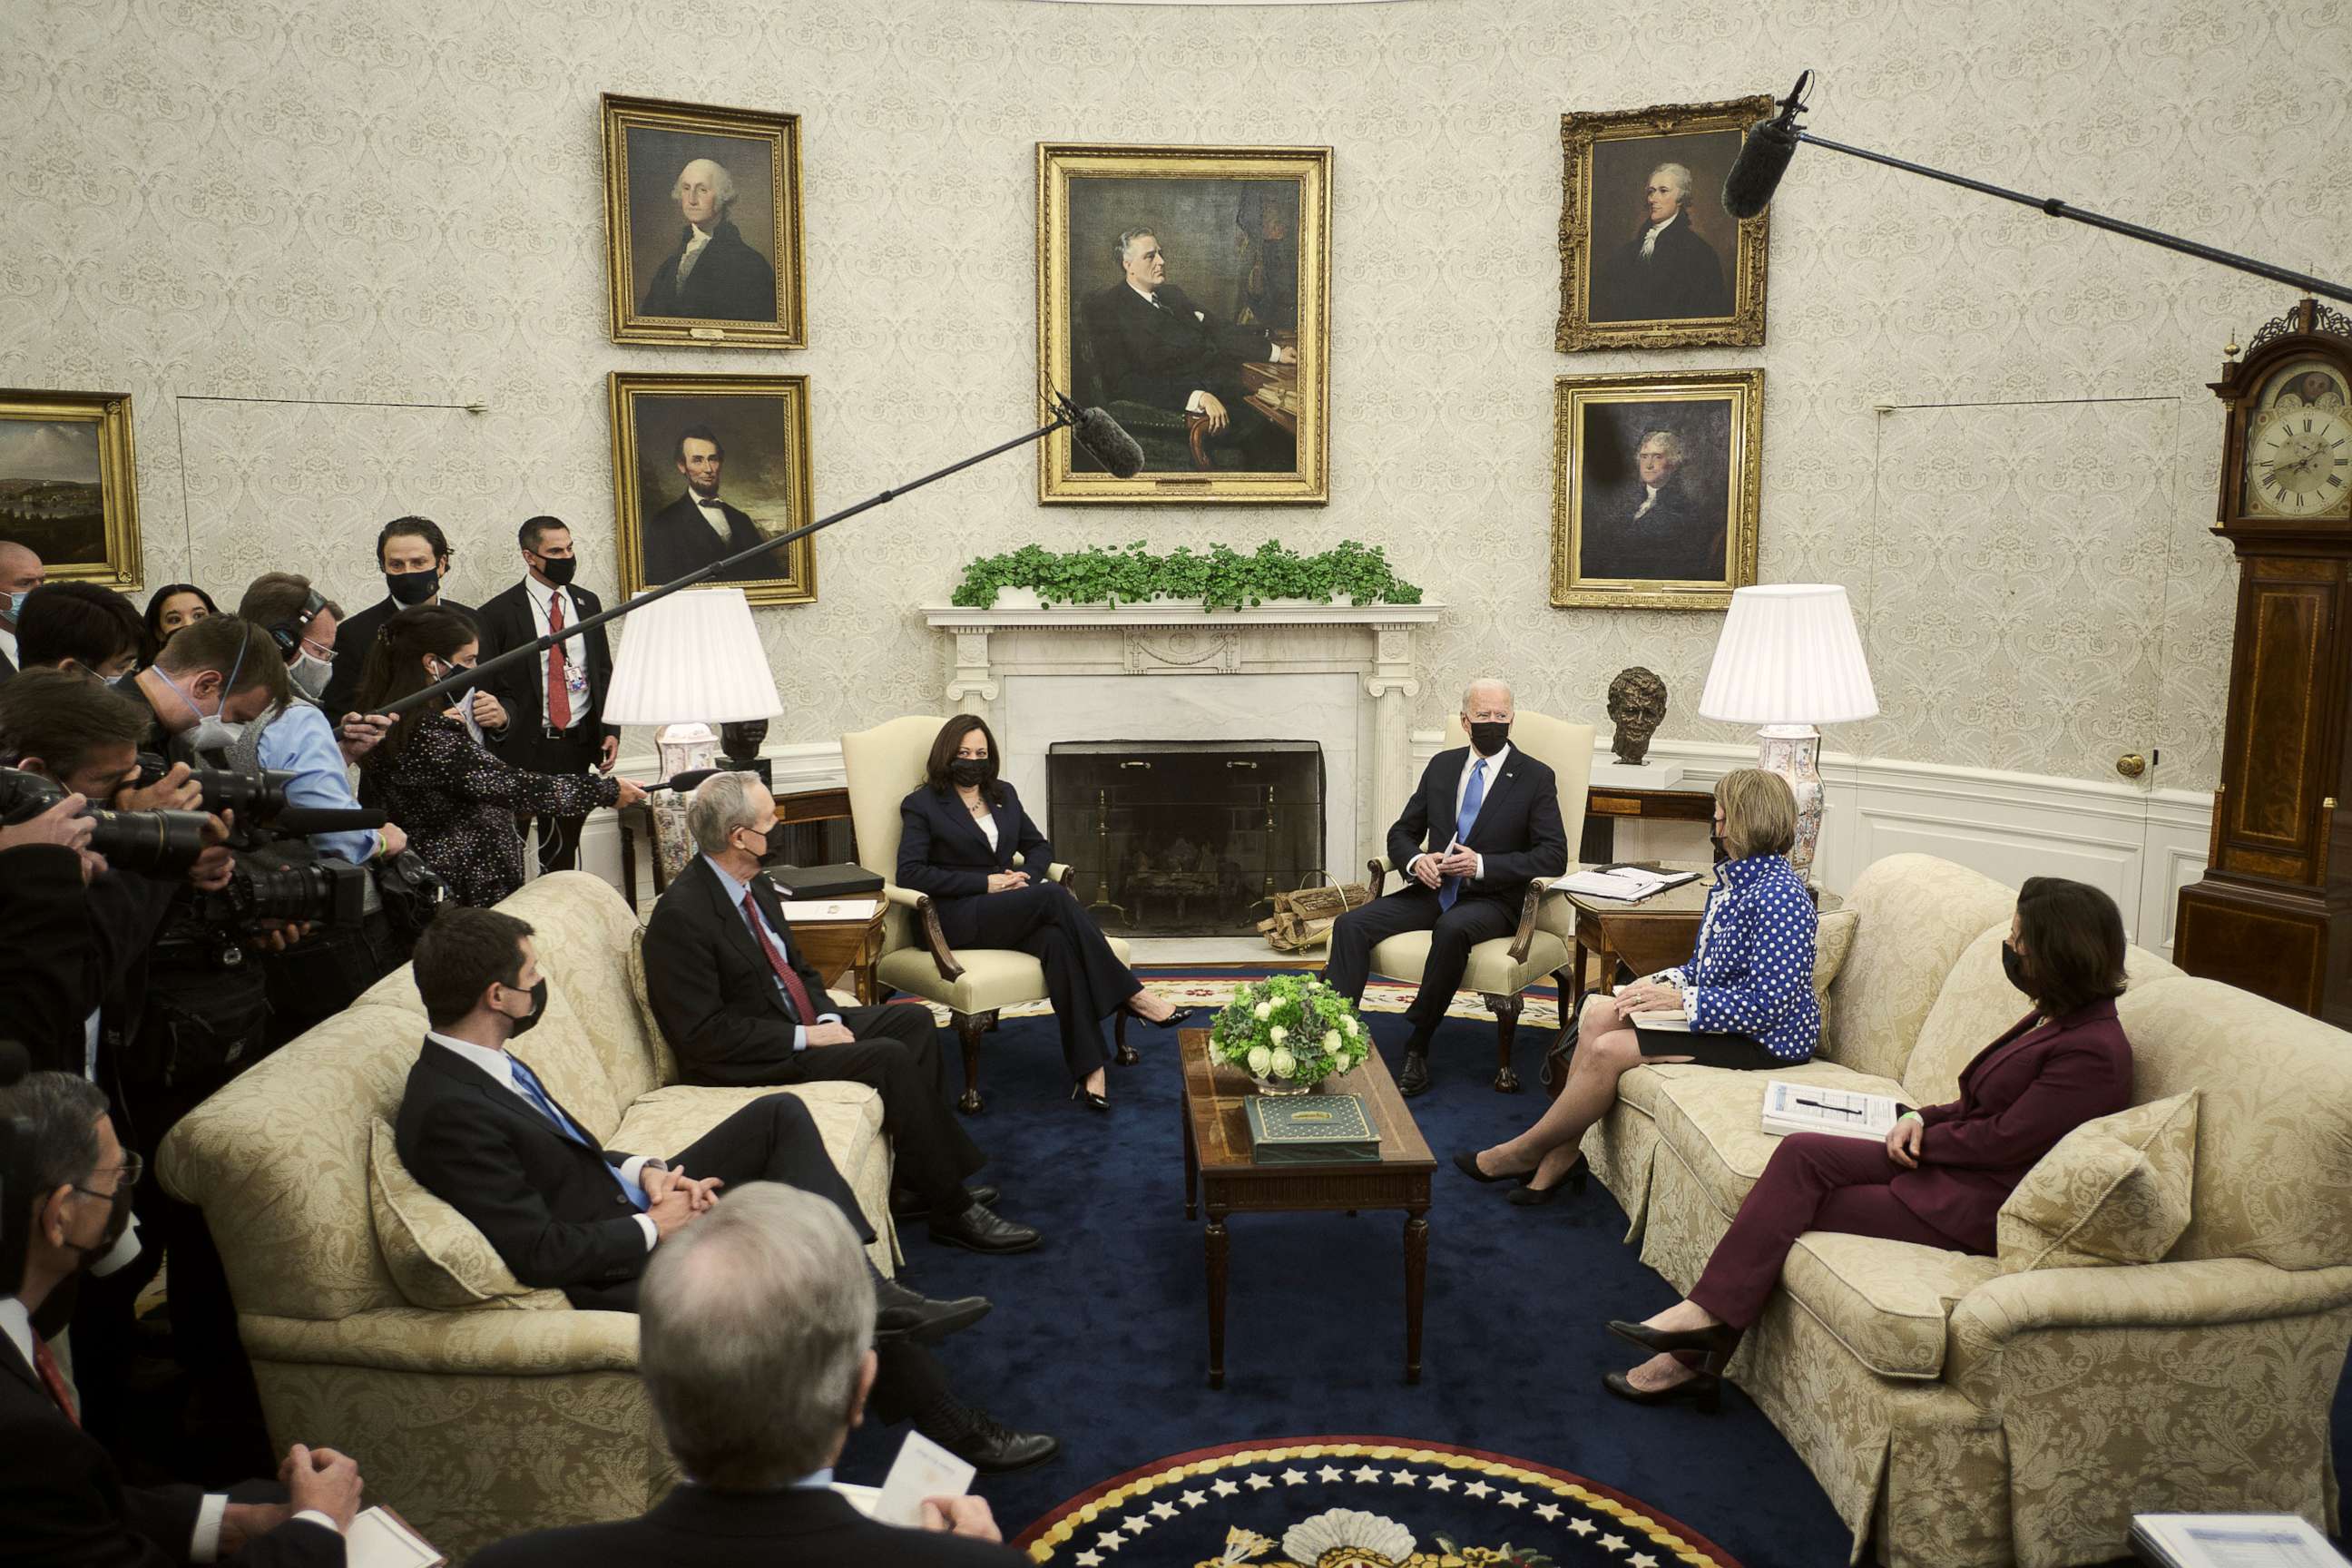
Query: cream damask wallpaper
(306, 236)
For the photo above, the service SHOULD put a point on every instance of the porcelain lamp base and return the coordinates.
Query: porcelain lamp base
(1793, 751)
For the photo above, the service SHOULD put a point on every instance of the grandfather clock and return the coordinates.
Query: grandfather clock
(2274, 913)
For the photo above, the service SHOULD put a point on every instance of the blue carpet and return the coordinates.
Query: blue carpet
(1100, 1336)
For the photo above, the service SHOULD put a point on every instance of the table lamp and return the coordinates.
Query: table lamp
(688, 662)
(1789, 660)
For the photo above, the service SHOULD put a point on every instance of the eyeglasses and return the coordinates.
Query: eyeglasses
(130, 1170)
(318, 651)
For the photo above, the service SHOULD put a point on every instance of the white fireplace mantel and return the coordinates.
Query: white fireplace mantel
(1340, 674)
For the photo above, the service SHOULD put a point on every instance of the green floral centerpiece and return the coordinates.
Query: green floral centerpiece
(1290, 1032)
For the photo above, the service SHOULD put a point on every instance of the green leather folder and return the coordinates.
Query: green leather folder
(1309, 1130)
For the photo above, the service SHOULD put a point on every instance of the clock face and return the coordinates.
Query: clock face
(2299, 443)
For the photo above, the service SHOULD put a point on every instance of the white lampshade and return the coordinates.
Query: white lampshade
(692, 657)
(1789, 655)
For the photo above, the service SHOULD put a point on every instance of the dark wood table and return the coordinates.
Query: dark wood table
(1606, 804)
(848, 944)
(1218, 1173)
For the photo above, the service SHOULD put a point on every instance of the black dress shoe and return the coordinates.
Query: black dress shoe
(1414, 1079)
(1704, 1390)
(993, 1448)
(1467, 1164)
(1089, 1099)
(1716, 1343)
(1176, 1020)
(1532, 1196)
(905, 1205)
(902, 1314)
(980, 1230)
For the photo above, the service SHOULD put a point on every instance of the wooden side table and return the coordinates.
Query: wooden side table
(1606, 804)
(850, 943)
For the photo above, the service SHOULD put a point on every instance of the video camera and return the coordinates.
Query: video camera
(274, 879)
(157, 843)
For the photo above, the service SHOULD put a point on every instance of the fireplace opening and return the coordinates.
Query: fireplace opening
(1185, 838)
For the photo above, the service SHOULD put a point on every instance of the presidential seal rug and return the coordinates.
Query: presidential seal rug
(1359, 1502)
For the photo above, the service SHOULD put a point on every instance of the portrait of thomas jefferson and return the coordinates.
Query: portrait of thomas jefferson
(1666, 523)
(1665, 269)
(711, 272)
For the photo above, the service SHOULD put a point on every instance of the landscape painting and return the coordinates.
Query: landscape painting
(66, 487)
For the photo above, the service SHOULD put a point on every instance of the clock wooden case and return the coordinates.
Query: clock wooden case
(2274, 913)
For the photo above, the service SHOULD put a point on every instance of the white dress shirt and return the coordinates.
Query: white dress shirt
(1649, 500)
(8, 645)
(1462, 787)
(500, 1066)
(987, 826)
(575, 668)
(735, 891)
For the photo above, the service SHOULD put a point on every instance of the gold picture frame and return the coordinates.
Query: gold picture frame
(1639, 269)
(747, 437)
(1673, 529)
(70, 483)
(743, 283)
(1231, 407)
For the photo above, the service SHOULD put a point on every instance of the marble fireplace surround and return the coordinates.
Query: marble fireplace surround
(1340, 676)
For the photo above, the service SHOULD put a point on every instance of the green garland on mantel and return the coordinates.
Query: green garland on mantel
(1222, 579)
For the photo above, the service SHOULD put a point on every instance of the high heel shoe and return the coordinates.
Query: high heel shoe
(1094, 1101)
(1467, 1164)
(1716, 1343)
(1176, 1020)
(1529, 1197)
(1704, 1390)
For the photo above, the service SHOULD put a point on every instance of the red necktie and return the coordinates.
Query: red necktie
(52, 1379)
(793, 990)
(558, 695)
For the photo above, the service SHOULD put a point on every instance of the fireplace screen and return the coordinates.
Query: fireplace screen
(1186, 838)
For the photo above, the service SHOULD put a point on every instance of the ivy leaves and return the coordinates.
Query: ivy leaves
(1223, 578)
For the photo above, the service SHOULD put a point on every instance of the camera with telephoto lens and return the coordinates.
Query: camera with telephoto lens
(255, 797)
(277, 877)
(312, 892)
(157, 843)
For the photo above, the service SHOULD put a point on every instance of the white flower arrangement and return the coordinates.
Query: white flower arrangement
(1290, 1030)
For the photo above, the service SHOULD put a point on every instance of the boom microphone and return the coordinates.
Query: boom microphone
(1110, 443)
(1764, 156)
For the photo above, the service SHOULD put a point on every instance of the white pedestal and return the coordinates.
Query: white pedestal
(1636, 776)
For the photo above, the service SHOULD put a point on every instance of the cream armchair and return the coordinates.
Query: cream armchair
(885, 763)
(1545, 944)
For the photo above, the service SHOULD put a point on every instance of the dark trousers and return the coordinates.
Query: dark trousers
(897, 1054)
(573, 751)
(1814, 1181)
(1084, 978)
(1475, 918)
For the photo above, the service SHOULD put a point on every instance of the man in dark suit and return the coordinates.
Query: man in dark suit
(699, 528)
(62, 1502)
(1483, 822)
(413, 555)
(478, 1128)
(1655, 528)
(1151, 344)
(739, 1005)
(1666, 272)
(714, 276)
(554, 702)
(20, 573)
(753, 1348)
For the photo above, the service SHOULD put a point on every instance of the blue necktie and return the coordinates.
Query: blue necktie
(528, 1081)
(1472, 799)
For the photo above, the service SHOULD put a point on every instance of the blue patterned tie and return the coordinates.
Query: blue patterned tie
(1472, 799)
(528, 1081)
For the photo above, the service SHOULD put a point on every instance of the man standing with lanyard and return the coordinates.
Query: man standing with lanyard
(555, 700)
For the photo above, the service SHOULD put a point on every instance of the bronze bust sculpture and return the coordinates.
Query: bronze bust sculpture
(1637, 706)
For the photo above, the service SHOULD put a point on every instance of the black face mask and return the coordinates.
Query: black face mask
(413, 588)
(558, 569)
(2014, 967)
(968, 772)
(1488, 737)
(530, 1021)
(117, 1220)
(1722, 851)
(773, 842)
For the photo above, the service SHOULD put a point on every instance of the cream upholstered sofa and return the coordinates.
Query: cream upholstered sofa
(522, 1412)
(1958, 1416)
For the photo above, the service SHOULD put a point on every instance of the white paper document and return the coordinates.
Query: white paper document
(380, 1539)
(2233, 1540)
(922, 1469)
(1809, 1108)
(1628, 883)
(829, 908)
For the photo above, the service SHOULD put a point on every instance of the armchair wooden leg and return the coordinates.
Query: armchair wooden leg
(1506, 1027)
(1562, 1053)
(1125, 1057)
(969, 1028)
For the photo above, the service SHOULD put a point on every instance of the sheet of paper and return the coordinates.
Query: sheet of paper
(829, 908)
(922, 1469)
(2238, 1541)
(377, 1540)
(862, 1498)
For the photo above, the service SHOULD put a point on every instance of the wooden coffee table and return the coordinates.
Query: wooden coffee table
(1218, 1172)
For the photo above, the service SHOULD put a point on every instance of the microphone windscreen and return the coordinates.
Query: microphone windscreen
(1112, 447)
(1756, 172)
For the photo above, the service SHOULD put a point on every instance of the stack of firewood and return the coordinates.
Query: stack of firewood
(1303, 920)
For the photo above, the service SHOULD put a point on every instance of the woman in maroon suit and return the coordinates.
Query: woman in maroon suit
(1944, 1171)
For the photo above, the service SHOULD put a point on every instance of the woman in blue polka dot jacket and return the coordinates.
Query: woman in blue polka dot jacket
(1748, 992)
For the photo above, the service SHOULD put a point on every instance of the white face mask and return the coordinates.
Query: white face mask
(309, 674)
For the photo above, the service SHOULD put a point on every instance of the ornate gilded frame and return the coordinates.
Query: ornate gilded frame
(1743, 390)
(1575, 332)
(789, 329)
(118, 479)
(796, 583)
(1059, 163)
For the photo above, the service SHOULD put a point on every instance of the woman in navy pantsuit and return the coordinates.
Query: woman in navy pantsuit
(1944, 1171)
(956, 838)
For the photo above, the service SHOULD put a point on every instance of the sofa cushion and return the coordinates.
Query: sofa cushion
(436, 1256)
(1887, 1303)
(2116, 1190)
(1712, 1117)
(641, 995)
(992, 977)
(1916, 914)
